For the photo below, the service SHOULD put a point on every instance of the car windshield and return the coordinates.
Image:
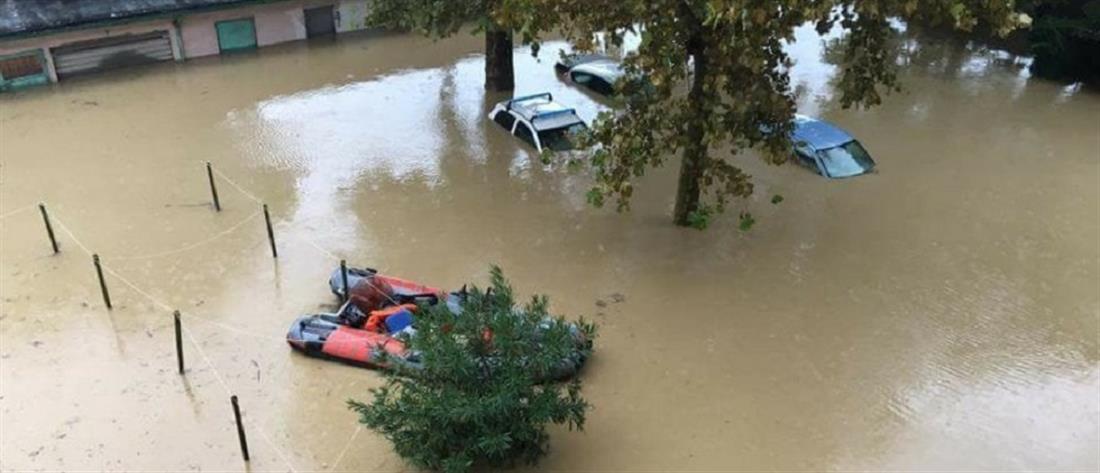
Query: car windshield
(561, 139)
(846, 160)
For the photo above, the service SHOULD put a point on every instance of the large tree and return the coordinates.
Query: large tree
(714, 74)
(499, 20)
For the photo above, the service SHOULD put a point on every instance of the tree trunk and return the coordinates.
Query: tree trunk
(499, 75)
(695, 150)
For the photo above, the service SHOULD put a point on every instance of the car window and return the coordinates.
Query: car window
(848, 159)
(601, 86)
(505, 120)
(561, 139)
(524, 133)
(805, 157)
(582, 77)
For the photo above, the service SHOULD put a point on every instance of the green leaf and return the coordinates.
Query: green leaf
(746, 221)
(483, 394)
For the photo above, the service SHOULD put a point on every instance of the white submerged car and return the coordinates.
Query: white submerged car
(595, 72)
(540, 122)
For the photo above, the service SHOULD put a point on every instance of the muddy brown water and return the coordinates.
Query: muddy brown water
(939, 315)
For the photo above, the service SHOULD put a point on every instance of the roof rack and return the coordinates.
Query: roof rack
(529, 97)
(568, 111)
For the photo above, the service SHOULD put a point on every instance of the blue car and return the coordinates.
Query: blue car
(828, 150)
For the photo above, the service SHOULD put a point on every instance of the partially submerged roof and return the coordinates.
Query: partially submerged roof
(570, 61)
(818, 134)
(606, 69)
(30, 17)
(543, 112)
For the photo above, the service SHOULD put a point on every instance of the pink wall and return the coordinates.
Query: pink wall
(52, 41)
(195, 36)
(277, 23)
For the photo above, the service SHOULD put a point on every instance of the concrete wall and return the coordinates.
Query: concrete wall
(276, 23)
(45, 43)
(351, 15)
(195, 36)
(51, 41)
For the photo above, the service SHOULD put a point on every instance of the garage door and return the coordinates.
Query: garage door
(109, 53)
(320, 22)
(236, 35)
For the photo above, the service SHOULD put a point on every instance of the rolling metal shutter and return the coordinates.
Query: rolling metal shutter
(110, 53)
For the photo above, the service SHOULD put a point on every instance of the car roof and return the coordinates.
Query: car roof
(606, 69)
(570, 61)
(542, 111)
(819, 134)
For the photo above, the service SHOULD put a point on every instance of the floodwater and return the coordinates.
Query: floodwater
(939, 315)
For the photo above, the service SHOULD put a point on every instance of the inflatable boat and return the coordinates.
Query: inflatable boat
(330, 336)
(369, 329)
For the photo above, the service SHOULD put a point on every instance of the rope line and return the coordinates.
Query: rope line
(65, 228)
(206, 359)
(193, 245)
(190, 315)
(191, 338)
(229, 392)
(278, 451)
(347, 290)
(328, 253)
(235, 185)
(233, 329)
(347, 446)
(187, 331)
(135, 288)
(16, 211)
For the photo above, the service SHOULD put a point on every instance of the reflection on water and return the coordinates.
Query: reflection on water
(939, 315)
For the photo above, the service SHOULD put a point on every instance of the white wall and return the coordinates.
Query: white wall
(351, 15)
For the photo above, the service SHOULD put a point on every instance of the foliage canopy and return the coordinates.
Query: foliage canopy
(480, 396)
(712, 75)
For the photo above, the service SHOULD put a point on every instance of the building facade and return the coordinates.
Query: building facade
(60, 43)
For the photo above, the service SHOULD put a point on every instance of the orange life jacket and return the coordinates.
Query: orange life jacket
(377, 319)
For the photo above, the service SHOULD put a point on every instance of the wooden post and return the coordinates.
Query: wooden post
(49, 228)
(179, 340)
(270, 233)
(213, 188)
(240, 426)
(102, 282)
(344, 277)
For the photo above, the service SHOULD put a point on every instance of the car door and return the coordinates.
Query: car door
(805, 156)
(525, 133)
(505, 120)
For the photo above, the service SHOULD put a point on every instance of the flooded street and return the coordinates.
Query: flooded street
(942, 314)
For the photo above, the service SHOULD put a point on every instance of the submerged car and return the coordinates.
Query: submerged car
(540, 122)
(596, 72)
(829, 150)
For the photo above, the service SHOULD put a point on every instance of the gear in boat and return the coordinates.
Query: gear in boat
(376, 318)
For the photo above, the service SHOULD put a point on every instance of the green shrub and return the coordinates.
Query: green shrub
(480, 396)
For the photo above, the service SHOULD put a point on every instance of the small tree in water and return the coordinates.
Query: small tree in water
(479, 395)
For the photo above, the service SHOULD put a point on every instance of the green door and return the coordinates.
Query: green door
(236, 35)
